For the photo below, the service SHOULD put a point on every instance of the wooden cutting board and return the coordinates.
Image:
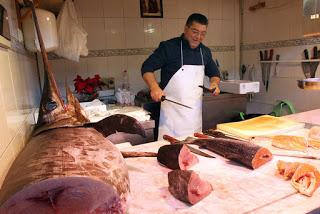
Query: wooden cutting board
(260, 126)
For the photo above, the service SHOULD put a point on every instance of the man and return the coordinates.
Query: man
(183, 61)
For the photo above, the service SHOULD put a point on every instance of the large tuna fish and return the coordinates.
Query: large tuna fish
(68, 166)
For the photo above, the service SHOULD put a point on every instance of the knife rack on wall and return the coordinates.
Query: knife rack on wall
(309, 67)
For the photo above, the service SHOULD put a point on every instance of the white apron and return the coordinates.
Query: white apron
(183, 87)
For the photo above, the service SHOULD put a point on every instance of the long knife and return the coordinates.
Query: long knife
(163, 98)
(173, 140)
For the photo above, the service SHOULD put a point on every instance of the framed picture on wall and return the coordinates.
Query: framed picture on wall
(151, 8)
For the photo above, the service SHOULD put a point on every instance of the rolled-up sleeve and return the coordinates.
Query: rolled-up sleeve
(155, 61)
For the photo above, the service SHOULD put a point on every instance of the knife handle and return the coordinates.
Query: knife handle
(199, 135)
(170, 139)
(205, 89)
(265, 55)
(306, 54)
(271, 55)
(315, 52)
(261, 55)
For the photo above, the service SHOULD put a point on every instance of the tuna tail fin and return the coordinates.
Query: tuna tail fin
(119, 123)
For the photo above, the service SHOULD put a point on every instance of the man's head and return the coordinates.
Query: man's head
(195, 29)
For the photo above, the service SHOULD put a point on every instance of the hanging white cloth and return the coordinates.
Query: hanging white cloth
(72, 37)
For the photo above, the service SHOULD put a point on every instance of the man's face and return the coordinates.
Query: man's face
(195, 34)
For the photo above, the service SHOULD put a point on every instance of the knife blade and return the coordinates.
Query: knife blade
(163, 98)
(268, 69)
(173, 140)
(306, 53)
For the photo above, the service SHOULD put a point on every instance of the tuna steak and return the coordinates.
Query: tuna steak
(187, 186)
(176, 156)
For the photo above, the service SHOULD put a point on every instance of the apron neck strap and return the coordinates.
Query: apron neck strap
(181, 53)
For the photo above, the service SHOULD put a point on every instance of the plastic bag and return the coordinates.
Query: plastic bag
(72, 37)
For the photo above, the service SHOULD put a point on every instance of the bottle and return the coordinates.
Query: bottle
(125, 81)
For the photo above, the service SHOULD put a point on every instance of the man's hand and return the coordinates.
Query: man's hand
(215, 86)
(156, 93)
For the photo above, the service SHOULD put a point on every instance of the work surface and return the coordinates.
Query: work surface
(237, 189)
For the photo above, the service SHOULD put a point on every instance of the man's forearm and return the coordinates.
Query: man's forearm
(150, 79)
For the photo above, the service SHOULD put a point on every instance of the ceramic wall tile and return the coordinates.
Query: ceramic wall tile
(115, 67)
(295, 22)
(228, 9)
(6, 82)
(90, 9)
(152, 32)
(227, 33)
(214, 32)
(185, 8)
(134, 67)
(59, 70)
(201, 6)
(134, 32)
(97, 65)
(115, 33)
(113, 8)
(32, 83)
(215, 9)
(170, 9)
(131, 8)
(76, 68)
(278, 25)
(96, 33)
(170, 28)
(18, 81)
(8, 95)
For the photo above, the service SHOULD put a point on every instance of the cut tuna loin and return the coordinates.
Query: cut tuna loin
(187, 186)
(176, 156)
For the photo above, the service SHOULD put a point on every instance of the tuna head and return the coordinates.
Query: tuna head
(53, 113)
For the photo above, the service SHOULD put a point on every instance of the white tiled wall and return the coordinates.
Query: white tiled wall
(19, 95)
(116, 24)
(280, 20)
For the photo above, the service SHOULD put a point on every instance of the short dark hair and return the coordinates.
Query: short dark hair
(197, 17)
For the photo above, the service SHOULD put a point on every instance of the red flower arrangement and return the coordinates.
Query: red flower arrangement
(88, 86)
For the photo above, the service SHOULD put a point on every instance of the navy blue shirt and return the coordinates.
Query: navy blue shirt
(167, 57)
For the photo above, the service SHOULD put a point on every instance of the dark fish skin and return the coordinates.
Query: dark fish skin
(248, 154)
(118, 123)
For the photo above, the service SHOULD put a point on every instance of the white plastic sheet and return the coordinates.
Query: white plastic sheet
(72, 37)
